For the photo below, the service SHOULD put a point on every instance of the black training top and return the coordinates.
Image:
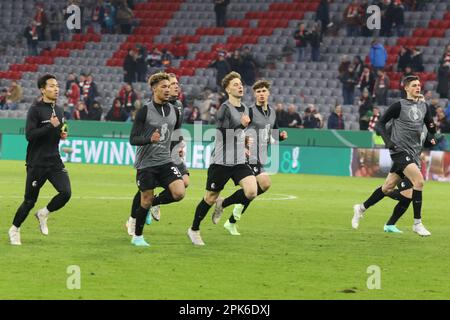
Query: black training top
(43, 138)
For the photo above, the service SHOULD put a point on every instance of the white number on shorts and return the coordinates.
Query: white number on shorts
(176, 171)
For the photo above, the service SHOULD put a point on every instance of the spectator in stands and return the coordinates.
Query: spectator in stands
(130, 67)
(428, 95)
(434, 105)
(301, 41)
(166, 58)
(374, 118)
(323, 15)
(220, 7)
(90, 91)
(56, 22)
(316, 114)
(336, 119)
(71, 77)
(345, 63)
(314, 41)
(366, 80)
(381, 88)
(309, 120)
(235, 61)
(95, 113)
(180, 49)
(116, 113)
(349, 81)
(30, 33)
(222, 67)
(416, 60)
(442, 123)
(387, 15)
(404, 59)
(249, 67)
(80, 112)
(446, 55)
(398, 18)
(207, 106)
(15, 95)
(154, 58)
(124, 17)
(365, 31)
(281, 115)
(365, 109)
(109, 18)
(141, 63)
(293, 118)
(194, 116)
(187, 110)
(443, 76)
(98, 16)
(67, 113)
(81, 81)
(73, 92)
(41, 21)
(352, 19)
(378, 55)
(128, 98)
(358, 65)
(3, 97)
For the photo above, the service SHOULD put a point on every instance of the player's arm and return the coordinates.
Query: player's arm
(393, 112)
(137, 137)
(429, 122)
(282, 135)
(32, 130)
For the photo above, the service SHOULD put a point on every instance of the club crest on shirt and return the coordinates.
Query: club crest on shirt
(415, 114)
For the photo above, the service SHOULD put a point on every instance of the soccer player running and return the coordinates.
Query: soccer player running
(260, 131)
(45, 127)
(228, 159)
(177, 156)
(405, 144)
(152, 131)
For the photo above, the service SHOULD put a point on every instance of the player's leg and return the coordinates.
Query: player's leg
(243, 175)
(404, 199)
(389, 184)
(200, 213)
(166, 196)
(413, 173)
(141, 214)
(218, 176)
(59, 178)
(264, 184)
(36, 178)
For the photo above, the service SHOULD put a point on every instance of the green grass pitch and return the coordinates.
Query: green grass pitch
(296, 243)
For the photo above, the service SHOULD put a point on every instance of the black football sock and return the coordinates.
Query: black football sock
(376, 196)
(141, 215)
(136, 204)
(164, 197)
(399, 210)
(417, 203)
(200, 213)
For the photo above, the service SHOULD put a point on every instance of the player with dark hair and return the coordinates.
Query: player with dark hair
(262, 127)
(404, 140)
(177, 153)
(228, 159)
(45, 127)
(152, 131)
